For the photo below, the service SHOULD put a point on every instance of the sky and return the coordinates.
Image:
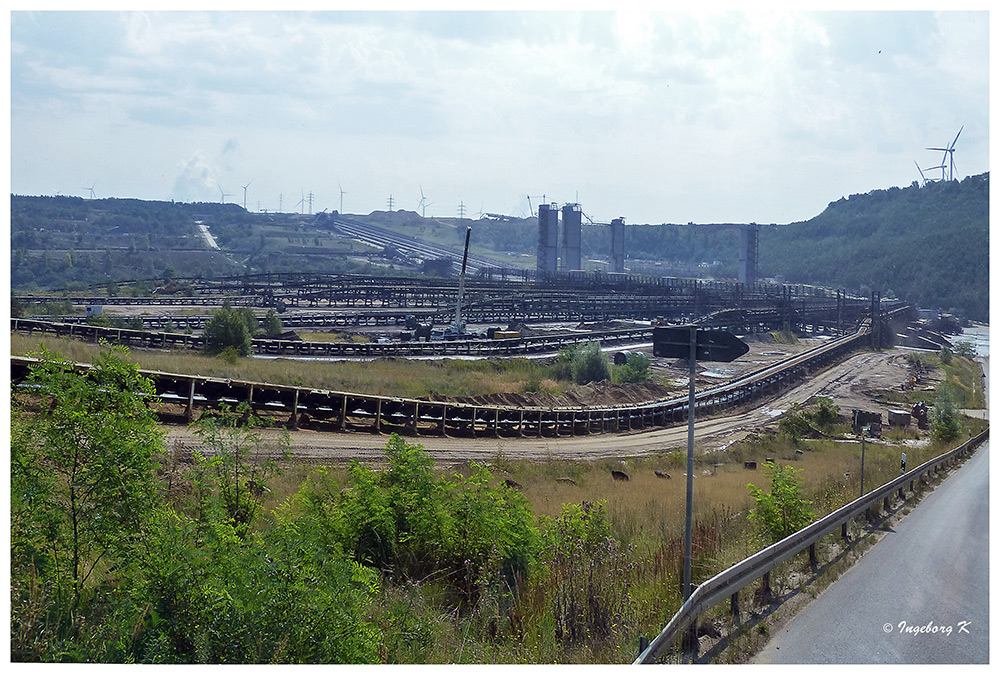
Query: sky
(763, 116)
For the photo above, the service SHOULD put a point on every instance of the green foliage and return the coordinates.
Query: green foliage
(635, 369)
(944, 414)
(589, 364)
(82, 489)
(588, 574)
(272, 324)
(819, 417)
(230, 327)
(965, 348)
(893, 239)
(411, 525)
(781, 511)
(233, 475)
(945, 355)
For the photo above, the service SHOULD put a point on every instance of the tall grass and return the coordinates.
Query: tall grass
(386, 377)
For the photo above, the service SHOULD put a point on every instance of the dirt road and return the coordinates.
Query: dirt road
(846, 384)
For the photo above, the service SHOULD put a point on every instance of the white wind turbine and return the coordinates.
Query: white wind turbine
(245, 194)
(949, 157)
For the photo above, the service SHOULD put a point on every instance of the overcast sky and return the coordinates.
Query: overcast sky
(656, 117)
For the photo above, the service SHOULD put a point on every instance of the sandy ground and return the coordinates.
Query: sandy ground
(847, 384)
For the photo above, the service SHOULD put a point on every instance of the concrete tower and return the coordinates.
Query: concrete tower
(548, 239)
(618, 245)
(748, 254)
(572, 218)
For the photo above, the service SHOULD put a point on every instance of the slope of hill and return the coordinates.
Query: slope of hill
(928, 245)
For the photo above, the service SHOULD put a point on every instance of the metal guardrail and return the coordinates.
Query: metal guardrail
(728, 583)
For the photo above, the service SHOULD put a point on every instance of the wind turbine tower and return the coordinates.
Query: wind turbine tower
(948, 161)
(342, 193)
(245, 194)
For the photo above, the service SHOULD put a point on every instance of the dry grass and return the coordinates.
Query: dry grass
(386, 377)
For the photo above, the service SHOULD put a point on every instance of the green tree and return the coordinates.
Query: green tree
(235, 470)
(272, 324)
(589, 364)
(230, 327)
(82, 482)
(635, 369)
(945, 414)
(781, 511)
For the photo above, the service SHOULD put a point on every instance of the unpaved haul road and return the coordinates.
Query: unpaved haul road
(863, 370)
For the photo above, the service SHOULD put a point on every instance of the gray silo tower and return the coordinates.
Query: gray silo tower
(572, 219)
(618, 245)
(548, 239)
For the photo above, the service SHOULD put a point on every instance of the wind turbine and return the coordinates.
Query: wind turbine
(93, 195)
(301, 202)
(223, 193)
(245, 194)
(342, 193)
(949, 156)
(422, 203)
(923, 178)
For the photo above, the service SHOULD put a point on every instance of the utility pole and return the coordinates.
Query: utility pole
(461, 210)
(390, 202)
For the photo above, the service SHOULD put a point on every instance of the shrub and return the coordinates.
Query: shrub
(588, 574)
(589, 364)
(782, 511)
(635, 369)
(945, 414)
(229, 327)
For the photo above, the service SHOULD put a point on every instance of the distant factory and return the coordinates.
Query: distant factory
(562, 254)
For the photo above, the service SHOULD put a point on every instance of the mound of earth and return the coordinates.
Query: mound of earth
(593, 394)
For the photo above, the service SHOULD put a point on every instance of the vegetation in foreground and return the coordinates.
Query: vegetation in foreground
(122, 553)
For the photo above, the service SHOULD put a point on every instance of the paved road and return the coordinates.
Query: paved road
(921, 595)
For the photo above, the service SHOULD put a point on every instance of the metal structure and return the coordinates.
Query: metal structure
(728, 583)
(343, 411)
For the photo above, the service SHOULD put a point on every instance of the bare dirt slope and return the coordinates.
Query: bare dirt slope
(847, 384)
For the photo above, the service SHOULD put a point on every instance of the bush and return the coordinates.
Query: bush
(589, 364)
(782, 511)
(588, 574)
(945, 414)
(635, 369)
(229, 327)
(272, 324)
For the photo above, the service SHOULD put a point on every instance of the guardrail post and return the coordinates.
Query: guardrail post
(765, 587)
(734, 606)
(643, 644)
(843, 531)
(813, 561)
(293, 423)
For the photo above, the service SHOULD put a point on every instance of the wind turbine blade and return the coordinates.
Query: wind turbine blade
(952, 146)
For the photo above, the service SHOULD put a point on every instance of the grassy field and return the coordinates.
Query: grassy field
(387, 377)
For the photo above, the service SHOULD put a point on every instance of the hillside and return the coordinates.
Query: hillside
(928, 245)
